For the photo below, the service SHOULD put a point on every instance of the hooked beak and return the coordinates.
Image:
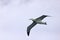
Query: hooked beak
(30, 19)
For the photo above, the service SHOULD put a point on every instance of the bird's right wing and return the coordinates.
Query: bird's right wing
(41, 18)
(30, 27)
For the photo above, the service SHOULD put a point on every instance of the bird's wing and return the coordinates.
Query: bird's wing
(30, 27)
(41, 18)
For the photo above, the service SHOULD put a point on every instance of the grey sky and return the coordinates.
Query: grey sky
(15, 15)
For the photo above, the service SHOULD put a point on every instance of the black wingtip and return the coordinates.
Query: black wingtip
(28, 33)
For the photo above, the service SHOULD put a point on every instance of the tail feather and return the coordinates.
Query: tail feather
(45, 23)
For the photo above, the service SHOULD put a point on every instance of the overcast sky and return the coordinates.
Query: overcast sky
(15, 15)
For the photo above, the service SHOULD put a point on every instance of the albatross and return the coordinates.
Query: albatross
(36, 21)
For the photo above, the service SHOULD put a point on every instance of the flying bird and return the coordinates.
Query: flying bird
(36, 21)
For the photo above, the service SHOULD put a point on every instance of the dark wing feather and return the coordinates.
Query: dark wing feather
(41, 18)
(30, 27)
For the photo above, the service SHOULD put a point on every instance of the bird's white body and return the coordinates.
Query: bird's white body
(38, 21)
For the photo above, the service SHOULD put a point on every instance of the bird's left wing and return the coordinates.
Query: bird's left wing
(30, 27)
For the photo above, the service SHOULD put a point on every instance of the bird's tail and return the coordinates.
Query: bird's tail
(45, 23)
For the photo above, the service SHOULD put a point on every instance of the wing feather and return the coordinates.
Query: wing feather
(30, 27)
(41, 18)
